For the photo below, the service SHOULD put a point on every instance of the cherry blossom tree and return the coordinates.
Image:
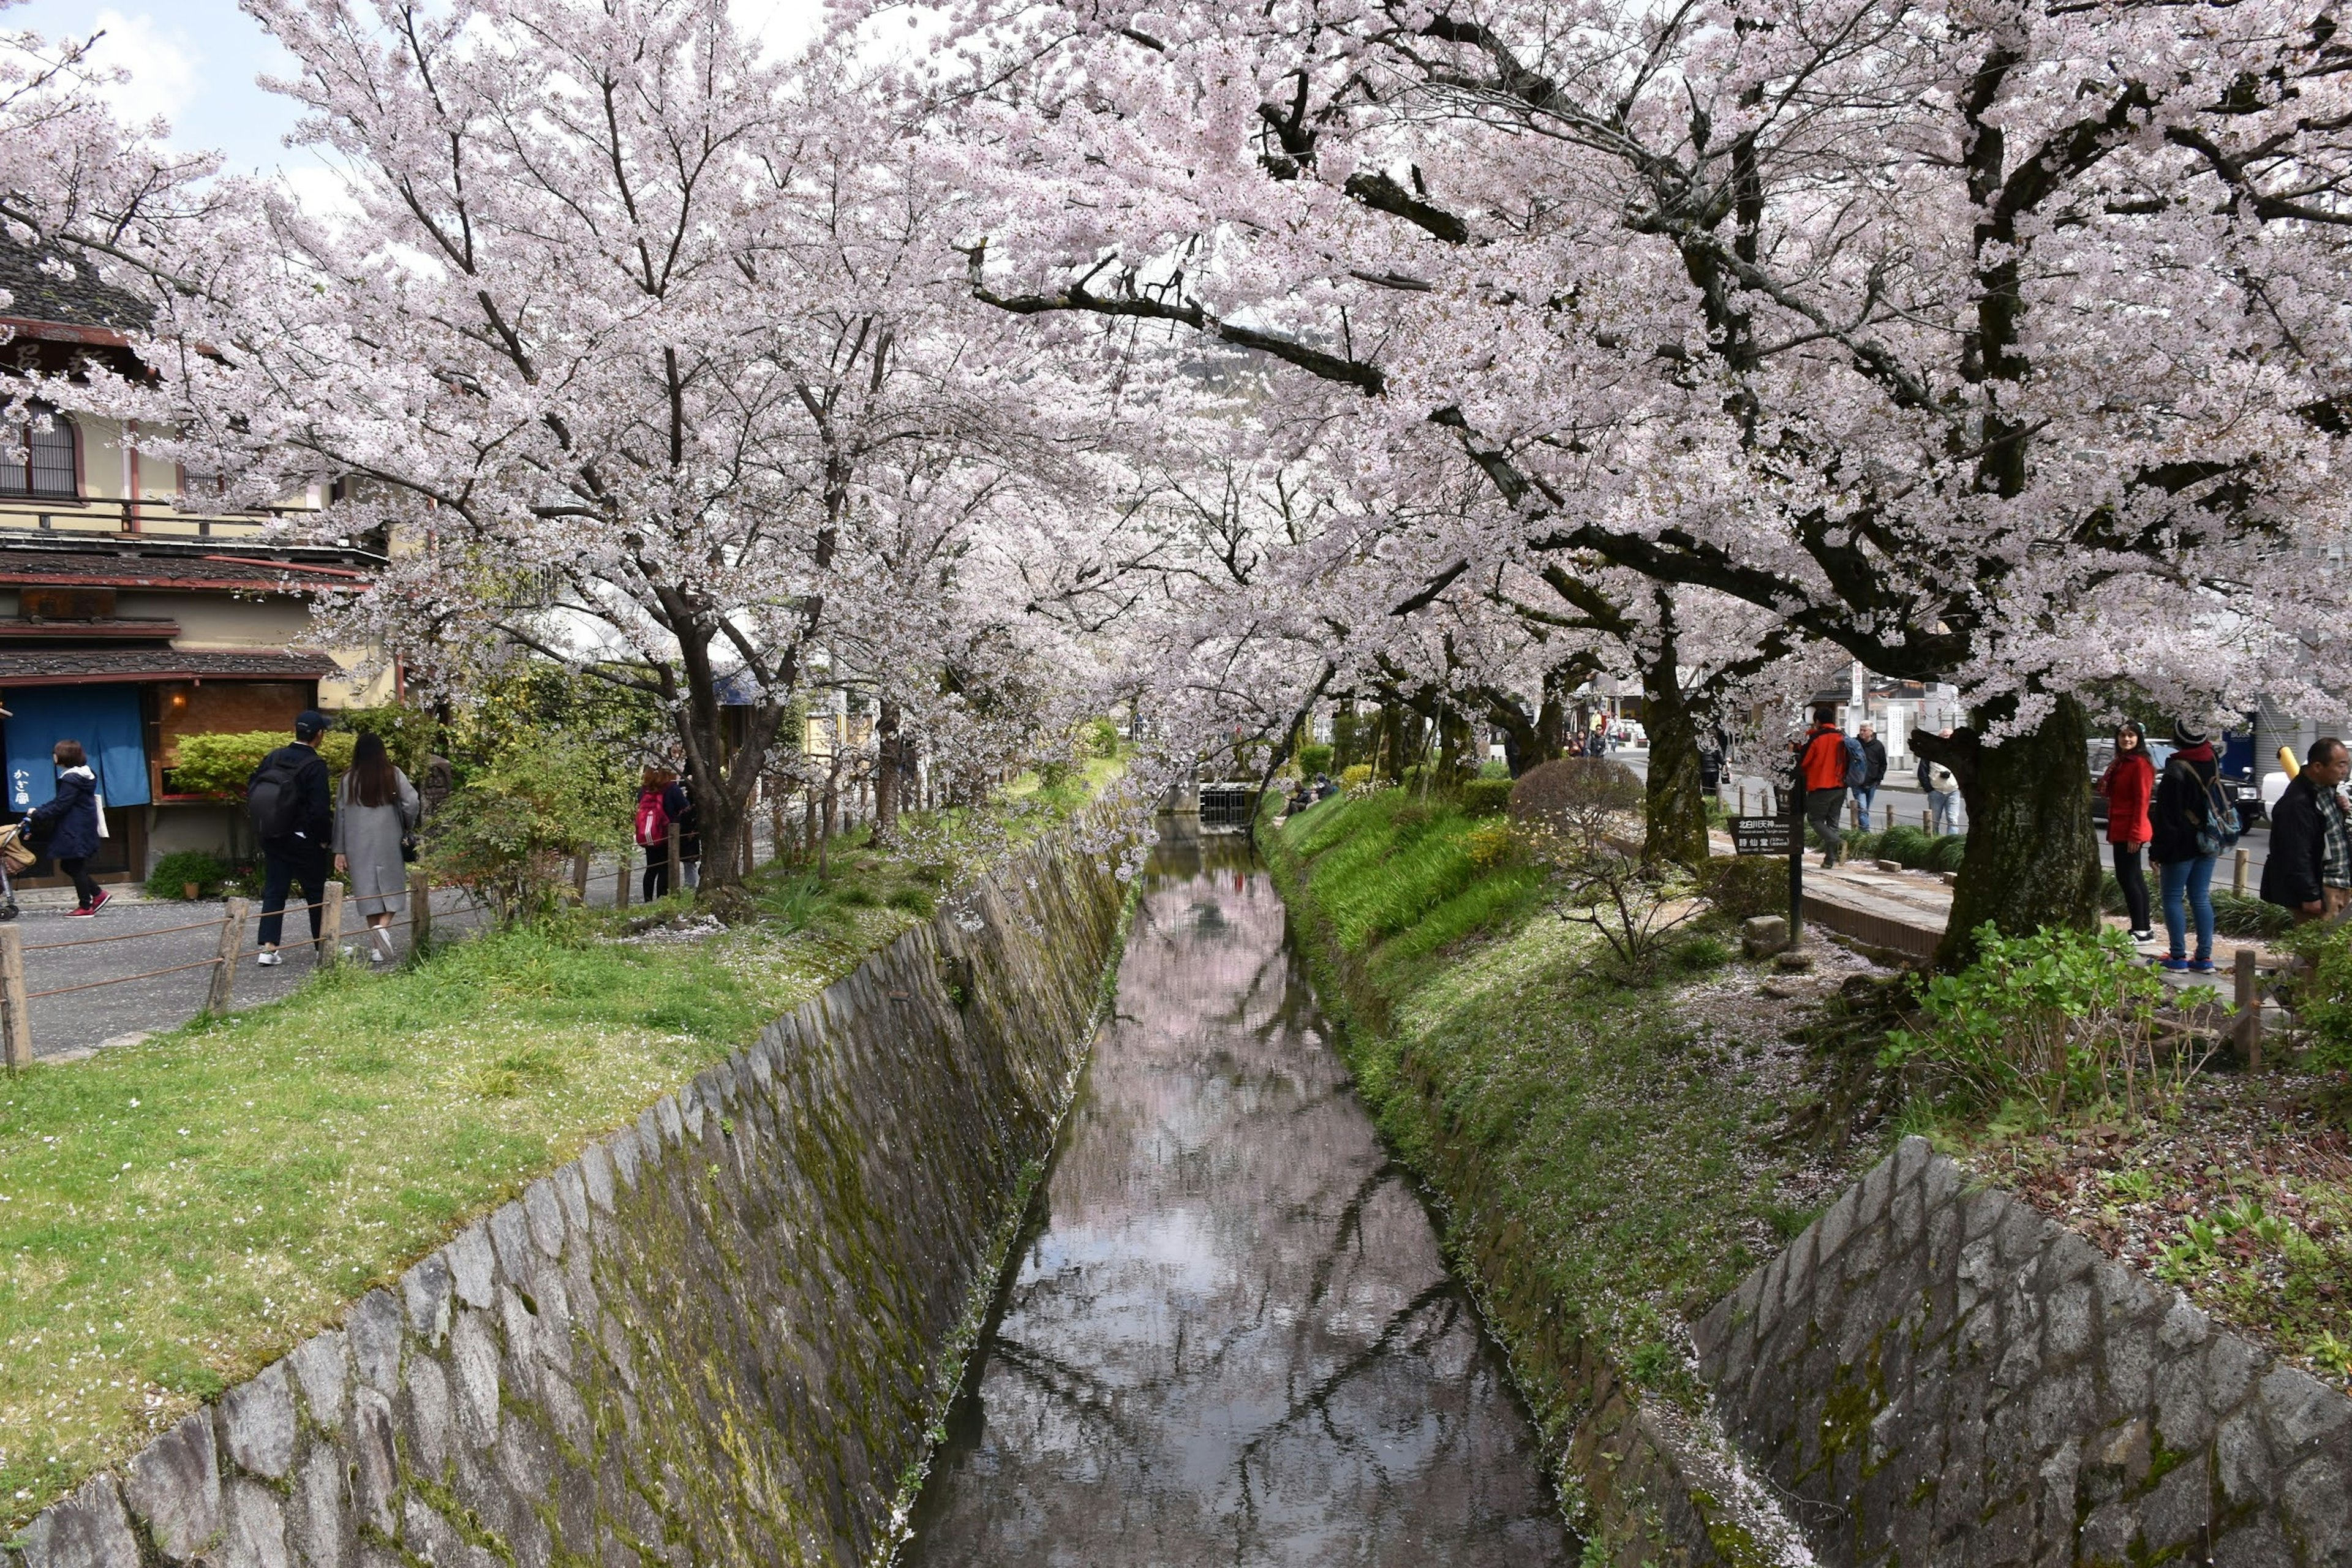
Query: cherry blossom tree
(1974, 342)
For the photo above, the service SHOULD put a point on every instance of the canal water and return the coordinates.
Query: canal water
(1229, 1337)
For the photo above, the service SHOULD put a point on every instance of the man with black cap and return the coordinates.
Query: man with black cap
(294, 816)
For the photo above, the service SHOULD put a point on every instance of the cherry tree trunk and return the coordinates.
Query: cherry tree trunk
(1676, 806)
(2031, 860)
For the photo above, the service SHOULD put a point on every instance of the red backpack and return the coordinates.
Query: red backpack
(653, 822)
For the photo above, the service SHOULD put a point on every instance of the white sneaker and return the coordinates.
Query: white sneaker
(268, 958)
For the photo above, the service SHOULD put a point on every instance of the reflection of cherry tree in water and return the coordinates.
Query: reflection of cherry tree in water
(1232, 1335)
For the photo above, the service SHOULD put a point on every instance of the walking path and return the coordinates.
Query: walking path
(135, 936)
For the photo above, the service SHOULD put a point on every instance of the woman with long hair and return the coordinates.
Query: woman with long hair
(375, 811)
(653, 830)
(65, 828)
(2128, 784)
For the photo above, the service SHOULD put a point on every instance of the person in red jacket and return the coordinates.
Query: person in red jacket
(1820, 773)
(2128, 784)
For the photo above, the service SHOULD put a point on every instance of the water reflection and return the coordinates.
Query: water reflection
(1231, 1338)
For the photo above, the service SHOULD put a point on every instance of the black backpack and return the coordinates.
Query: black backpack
(274, 795)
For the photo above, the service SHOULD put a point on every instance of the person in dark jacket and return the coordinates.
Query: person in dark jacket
(2309, 868)
(2129, 783)
(2186, 837)
(300, 855)
(68, 822)
(678, 800)
(1874, 774)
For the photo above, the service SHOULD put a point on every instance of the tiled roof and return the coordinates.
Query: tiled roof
(80, 301)
(121, 564)
(59, 666)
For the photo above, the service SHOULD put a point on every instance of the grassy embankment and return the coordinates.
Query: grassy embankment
(177, 1214)
(1609, 1155)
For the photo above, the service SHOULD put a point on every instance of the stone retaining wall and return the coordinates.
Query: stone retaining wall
(1942, 1376)
(715, 1336)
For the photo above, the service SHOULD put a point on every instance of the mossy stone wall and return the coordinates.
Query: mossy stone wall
(719, 1336)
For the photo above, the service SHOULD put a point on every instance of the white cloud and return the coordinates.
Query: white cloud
(166, 69)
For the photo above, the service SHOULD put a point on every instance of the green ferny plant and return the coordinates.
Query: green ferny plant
(2052, 1019)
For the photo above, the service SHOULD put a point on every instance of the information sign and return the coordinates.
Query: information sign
(1759, 834)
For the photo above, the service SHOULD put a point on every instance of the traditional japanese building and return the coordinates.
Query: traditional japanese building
(131, 613)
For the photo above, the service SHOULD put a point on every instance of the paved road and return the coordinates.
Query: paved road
(150, 936)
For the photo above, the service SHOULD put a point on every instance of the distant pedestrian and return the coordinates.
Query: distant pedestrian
(2127, 784)
(2190, 828)
(653, 830)
(373, 815)
(679, 802)
(1874, 773)
(67, 826)
(2309, 867)
(1822, 768)
(1943, 789)
(294, 817)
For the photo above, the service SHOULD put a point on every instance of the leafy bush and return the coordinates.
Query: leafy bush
(2054, 1019)
(1490, 844)
(1743, 886)
(508, 836)
(1948, 852)
(2236, 915)
(1491, 769)
(1357, 779)
(173, 872)
(1486, 797)
(1102, 738)
(219, 765)
(2322, 991)
(1313, 760)
(1906, 846)
(410, 734)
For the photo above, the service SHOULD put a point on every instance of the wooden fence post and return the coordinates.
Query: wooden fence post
(580, 875)
(2250, 1008)
(330, 925)
(15, 1013)
(2238, 876)
(677, 866)
(1926, 824)
(420, 911)
(621, 889)
(231, 944)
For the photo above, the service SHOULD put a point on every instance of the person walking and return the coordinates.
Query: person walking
(66, 826)
(1822, 764)
(2127, 784)
(374, 811)
(678, 800)
(294, 816)
(653, 831)
(1943, 793)
(1874, 773)
(2309, 867)
(2187, 831)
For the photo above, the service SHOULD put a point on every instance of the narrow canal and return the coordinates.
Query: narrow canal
(1229, 1337)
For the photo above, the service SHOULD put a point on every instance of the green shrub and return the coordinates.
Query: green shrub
(2322, 992)
(173, 872)
(1491, 769)
(914, 900)
(1743, 886)
(1486, 797)
(2236, 915)
(2053, 1018)
(1949, 851)
(410, 734)
(1313, 760)
(508, 836)
(1908, 847)
(219, 765)
(1358, 778)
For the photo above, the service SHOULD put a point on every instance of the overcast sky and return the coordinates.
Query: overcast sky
(194, 62)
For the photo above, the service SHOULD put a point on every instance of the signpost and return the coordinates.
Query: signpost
(1778, 836)
(1759, 834)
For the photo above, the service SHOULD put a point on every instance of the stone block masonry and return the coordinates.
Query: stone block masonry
(715, 1336)
(1940, 1376)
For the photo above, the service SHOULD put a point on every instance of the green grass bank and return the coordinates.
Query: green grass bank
(177, 1214)
(1610, 1159)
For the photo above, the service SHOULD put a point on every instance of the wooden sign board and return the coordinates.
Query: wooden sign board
(1759, 834)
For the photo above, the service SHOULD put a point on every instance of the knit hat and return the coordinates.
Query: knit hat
(2186, 734)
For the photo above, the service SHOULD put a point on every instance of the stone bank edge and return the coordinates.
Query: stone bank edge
(1945, 1376)
(714, 1337)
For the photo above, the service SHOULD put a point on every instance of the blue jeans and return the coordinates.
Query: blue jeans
(2194, 879)
(1862, 799)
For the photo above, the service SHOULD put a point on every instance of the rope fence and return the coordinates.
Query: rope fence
(15, 998)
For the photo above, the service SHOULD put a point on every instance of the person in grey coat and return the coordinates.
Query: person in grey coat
(375, 810)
